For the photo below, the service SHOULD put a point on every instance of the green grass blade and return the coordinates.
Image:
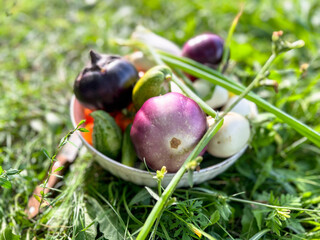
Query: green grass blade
(232, 28)
(260, 234)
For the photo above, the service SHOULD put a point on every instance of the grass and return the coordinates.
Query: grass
(43, 47)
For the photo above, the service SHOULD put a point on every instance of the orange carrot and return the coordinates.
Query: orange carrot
(88, 135)
(122, 120)
(87, 116)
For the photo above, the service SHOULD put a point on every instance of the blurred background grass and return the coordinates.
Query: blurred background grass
(44, 44)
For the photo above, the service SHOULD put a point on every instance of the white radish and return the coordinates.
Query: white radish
(231, 137)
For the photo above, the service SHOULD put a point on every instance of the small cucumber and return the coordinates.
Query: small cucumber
(155, 82)
(128, 156)
(106, 137)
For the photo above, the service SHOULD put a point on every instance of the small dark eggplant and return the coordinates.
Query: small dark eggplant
(107, 83)
(205, 48)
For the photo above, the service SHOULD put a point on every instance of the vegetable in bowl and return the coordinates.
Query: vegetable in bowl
(166, 129)
(107, 83)
(206, 48)
(231, 137)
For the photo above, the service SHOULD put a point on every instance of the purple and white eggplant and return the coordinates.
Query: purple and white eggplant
(166, 129)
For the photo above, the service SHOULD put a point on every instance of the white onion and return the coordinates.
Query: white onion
(244, 107)
(231, 137)
(219, 96)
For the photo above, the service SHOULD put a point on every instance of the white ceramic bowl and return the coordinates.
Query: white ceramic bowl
(142, 177)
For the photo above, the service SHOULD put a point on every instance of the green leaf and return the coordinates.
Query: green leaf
(290, 200)
(165, 231)
(152, 193)
(109, 223)
(83, 130)
(81, 122)
(274, 223)
(295, 225)
(265, 172)
(247, 222)
(199, 232)
(260, 234)
(90, 230)
(258, 215)
(215, 217)
(176, 233)
(85, 227)
(13, 171)
(224, 210)
(190, 178)
(1, 170)
(242, 167)
(7, 234)
(37, 198)
(46, 153)
(141, 196)
(59, 169)
(4, 182)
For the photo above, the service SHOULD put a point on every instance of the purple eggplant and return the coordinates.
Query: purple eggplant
(107, 83)
(205, 48)
(166, 129)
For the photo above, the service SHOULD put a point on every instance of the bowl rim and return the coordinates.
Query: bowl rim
(119, 164)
